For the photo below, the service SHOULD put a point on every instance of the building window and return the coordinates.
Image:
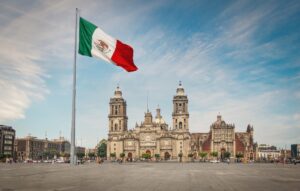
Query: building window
(116, 127)
(7, 148)
(116, 110)
(180, 125)
(7, 142)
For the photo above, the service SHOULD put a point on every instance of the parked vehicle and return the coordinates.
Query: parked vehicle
(295, 161)
(28, 161)
(60, 161)
(214, 161)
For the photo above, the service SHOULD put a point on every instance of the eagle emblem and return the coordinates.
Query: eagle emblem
(102, 46)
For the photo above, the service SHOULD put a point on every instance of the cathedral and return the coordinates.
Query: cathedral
(154, 136)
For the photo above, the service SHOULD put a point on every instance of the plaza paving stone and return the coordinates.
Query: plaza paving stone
(150, 177)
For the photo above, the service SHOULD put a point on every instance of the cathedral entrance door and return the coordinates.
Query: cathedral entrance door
(148, 152)
(130, 157)
(223, 154)
(167, 156)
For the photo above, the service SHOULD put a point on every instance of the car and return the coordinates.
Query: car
(28, 161)
(60, 161)
(214, 161)
(295, 161)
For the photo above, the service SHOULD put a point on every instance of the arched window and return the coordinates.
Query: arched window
(116, 127)
(180, 125)
(116, 110)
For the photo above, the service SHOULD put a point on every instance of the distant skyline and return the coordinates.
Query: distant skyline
(237, 58)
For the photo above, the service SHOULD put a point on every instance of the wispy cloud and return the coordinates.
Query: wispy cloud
(230, 68)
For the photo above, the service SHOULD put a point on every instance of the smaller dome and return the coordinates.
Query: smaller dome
(118, 92)
(160, 120)
(180, 89)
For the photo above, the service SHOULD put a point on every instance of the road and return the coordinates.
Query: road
(150, 177)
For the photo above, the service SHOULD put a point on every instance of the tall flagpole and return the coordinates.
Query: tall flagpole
(73, 160)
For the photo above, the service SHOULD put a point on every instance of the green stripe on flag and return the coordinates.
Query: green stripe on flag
(86, 30)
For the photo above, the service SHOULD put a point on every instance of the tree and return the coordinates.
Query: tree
(190, 155)
(146, 156)
(101, 151)
(214, 153)
(180, 156)
(202, 155)
(112, 155)
(91, 155)
(122, 155)
(157, 156)
(227, 154)
(80, 155)
(65, 155)
(2, 157)
(239, 155)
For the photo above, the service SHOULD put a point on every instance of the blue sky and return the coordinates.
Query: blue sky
(239, 58)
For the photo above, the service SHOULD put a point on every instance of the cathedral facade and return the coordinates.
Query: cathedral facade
(154, 136)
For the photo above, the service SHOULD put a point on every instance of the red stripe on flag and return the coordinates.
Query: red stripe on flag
(123, 57)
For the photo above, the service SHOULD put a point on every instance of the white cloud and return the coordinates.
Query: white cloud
(296, 117)
(39, 41)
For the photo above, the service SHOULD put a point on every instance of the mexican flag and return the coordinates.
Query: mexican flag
(94, 42)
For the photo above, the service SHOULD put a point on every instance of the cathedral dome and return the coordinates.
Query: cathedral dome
(118, 92)
(160, 120)
(180, 89)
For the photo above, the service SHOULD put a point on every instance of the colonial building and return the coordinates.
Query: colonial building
(268, 152)
(154, 136)
(32, 148)
(222, 138)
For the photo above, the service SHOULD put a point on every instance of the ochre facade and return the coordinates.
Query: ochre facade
(154, 136)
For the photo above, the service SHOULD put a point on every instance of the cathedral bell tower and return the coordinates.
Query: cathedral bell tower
(117, 114)
(180, 110)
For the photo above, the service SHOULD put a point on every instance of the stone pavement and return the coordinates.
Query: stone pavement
(150, 176)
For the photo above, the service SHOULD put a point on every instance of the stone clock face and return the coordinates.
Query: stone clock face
(129, 143)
